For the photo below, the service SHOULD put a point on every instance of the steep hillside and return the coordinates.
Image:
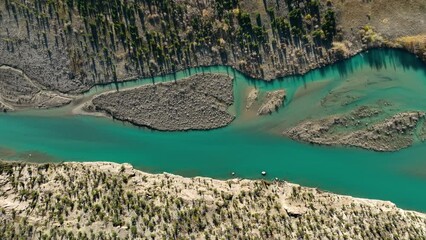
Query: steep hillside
(70, 45)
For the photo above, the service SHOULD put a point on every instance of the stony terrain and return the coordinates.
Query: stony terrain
(356, 129)
(72, 45)
(5, 108)
(271, 102)
(383, 23)
(18, 91)
(415, 44)
(198, 102)
(112, 201)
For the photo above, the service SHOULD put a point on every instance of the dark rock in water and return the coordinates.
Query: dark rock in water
(17, 90)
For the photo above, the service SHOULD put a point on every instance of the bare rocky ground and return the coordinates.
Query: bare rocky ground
(422, 131)
(18, 91)
(271, 102)
(359, 129)
(198, 102)
(113, 201)
(264, 103)
(48, 66)
(383, 23)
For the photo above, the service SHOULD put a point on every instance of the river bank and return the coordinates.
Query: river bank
(251, 143)
(115, 200)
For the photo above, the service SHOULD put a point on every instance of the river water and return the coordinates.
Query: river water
(252, 144)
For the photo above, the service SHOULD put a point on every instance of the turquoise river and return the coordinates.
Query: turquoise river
(251, 144)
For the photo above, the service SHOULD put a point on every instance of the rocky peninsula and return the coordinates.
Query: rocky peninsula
(113, 201)
(197, 102)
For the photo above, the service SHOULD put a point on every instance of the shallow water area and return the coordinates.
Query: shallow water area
(252, 143)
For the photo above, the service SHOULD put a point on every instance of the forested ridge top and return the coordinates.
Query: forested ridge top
(70, 45)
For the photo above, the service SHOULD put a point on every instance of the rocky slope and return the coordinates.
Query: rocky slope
(198, 102)
(71, 45)
(112, 201)
(18, 91)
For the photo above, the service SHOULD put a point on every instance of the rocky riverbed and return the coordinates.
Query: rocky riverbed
(356, 129)
(198, 102)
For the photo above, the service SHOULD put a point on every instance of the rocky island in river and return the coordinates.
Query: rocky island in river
(198, 102)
